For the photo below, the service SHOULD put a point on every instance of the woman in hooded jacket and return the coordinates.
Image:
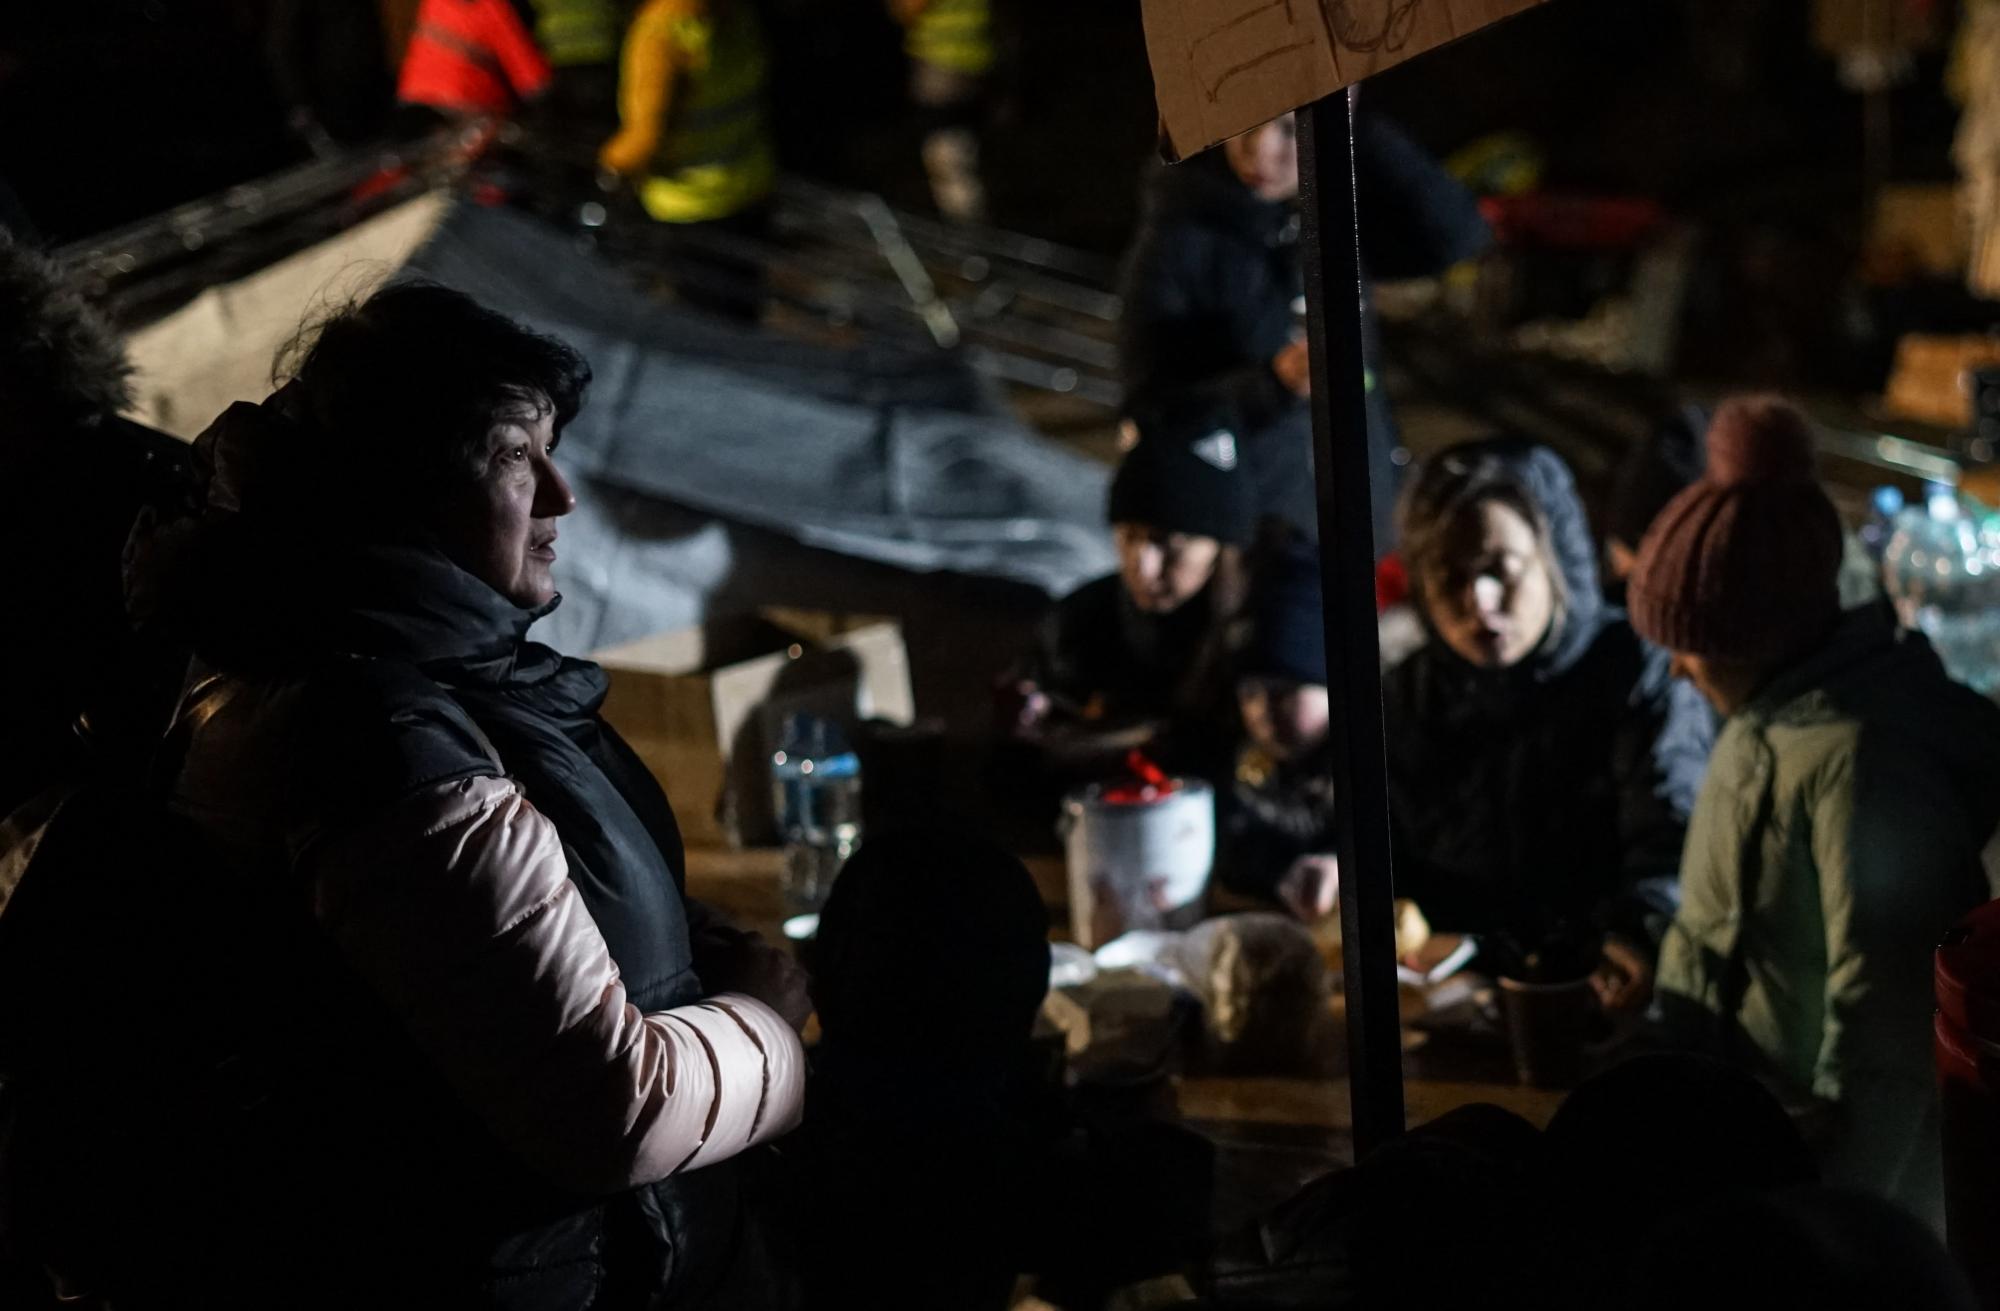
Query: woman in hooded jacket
(1542, 759)
(477, 1049)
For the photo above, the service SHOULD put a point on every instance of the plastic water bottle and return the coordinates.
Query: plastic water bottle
(1942, 570)
(1884, 504)
(816, 785)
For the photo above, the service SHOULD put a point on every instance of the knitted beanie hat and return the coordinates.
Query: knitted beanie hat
(1184, 477)
(1744, 564)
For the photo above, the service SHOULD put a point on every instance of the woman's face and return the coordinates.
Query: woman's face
(1163, 571)
(501, 528)
(1493, 599)
(1286, 719)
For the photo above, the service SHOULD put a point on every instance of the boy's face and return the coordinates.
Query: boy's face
(1286, 720)
(1266, 159)
(1163, 571)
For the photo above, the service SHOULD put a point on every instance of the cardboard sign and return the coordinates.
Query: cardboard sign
(1221, 67)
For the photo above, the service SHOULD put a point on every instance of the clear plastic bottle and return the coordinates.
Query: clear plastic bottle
(816, 789)
(1942, 570)
(1884, 505)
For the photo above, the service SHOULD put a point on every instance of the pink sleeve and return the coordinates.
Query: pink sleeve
(527, 68)
(457, 907)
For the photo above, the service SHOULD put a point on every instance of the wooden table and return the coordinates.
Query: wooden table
(744, 886)
(1323, 1103)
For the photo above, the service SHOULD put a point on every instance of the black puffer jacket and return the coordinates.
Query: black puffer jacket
(1209, 290)
(1555, 793)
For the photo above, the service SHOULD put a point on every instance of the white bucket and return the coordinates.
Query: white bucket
(1136, 857)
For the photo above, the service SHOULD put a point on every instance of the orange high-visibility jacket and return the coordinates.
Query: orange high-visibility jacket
(471, 57)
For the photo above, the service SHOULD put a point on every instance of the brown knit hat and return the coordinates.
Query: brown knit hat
(1744, 564)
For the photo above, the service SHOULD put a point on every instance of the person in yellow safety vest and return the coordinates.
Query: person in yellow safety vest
(950, 45)
(578, 33)
(581, 39)
(696, 136)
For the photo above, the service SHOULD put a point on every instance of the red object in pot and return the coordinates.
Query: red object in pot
(1968, 1068)
(1149, 783)
(1392, 582)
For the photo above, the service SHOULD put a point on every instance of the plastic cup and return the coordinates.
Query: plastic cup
(1547, 1026)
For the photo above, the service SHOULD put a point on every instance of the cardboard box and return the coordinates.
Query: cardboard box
(703, 706)
(1932, 378)
(1920, 226)
(1221, 67)
(1845, 27)
(1983, 265)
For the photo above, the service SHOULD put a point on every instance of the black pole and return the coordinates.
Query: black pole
(1332, 257)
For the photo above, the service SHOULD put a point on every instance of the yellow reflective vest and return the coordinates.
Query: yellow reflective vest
(956, 35)
(692, 99)
(573, 32)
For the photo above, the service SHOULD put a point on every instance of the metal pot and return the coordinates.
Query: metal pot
(1137, 854)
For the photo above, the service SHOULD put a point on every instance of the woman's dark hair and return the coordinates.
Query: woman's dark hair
(421, 372)
(1450, 486)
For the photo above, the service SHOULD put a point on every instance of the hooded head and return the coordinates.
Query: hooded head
(1500, 556)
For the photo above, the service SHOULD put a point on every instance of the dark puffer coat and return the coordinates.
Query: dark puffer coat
(359, 699)
(1210, 286)
(1553, 795)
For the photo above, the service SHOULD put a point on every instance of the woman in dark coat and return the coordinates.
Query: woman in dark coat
(1542, 760)
(479, 1048)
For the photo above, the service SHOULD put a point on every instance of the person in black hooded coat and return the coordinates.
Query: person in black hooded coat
(1213, 278)
(1542, 759)
(81, 684)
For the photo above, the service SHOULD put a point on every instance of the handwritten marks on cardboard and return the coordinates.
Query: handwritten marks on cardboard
(1221, 67)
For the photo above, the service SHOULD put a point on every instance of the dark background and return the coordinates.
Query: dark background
(114, 109)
